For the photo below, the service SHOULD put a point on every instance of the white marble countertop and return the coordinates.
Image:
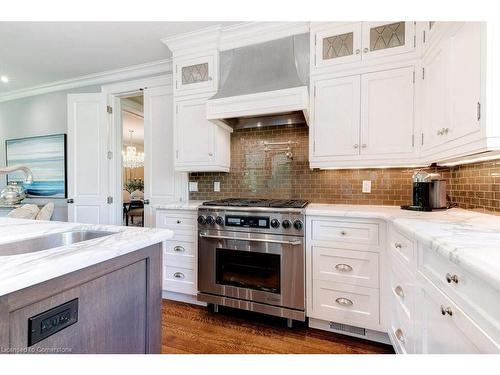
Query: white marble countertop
(185, 205)
(467, 238)
(24, 270)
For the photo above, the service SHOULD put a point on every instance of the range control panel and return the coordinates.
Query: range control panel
(51, 321)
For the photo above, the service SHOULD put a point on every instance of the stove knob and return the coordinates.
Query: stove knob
(286, 224)
(297, 224)
(275, 223)
(210, 220)
(202, 219)
(219, 220)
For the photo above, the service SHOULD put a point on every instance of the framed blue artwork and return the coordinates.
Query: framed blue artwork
(46, 157)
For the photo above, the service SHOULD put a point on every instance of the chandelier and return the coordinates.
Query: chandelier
(131, 158)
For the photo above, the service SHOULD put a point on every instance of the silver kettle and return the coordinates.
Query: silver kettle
(13, 193)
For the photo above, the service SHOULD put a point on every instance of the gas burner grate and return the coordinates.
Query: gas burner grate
(249, 202)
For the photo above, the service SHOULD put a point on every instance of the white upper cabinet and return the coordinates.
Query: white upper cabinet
(336, 117)
(337, 44)
(387, 38)
(452, 92)
(352, 43)
(200, 145)
(195, 74)
(387, 101)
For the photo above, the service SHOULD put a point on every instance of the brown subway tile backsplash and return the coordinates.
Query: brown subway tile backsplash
(256, 172)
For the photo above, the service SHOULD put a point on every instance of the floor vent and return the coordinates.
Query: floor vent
(347, 328)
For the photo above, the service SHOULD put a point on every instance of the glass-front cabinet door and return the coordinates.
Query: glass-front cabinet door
(195, 75)
(387, 38)
(338, 44)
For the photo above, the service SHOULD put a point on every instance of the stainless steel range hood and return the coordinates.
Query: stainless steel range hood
(263, 84)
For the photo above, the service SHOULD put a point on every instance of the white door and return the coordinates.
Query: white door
(194, 133)
(161, 183)
(87, 159)
(465, 81)
(435, 95)
(387, 38)
(336, 117)
(387, 112)
(338, 44)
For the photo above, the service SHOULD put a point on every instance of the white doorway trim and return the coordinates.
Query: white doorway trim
(114, 93)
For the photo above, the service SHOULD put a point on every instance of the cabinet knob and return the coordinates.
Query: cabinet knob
(365, 50)
(399, 335)
(398, 245)
(343, 232)
(179, 275)
(364, 145)
(344, 301)
(209, 78)
(356, 145)
(446, 310)
(179, 222)
(451, 278)
(399, 291)
(358, 51)
(343, 267)
(179, 249)
(210, 154)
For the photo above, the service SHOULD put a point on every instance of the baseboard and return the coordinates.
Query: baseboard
(180, 297)
(369, 334)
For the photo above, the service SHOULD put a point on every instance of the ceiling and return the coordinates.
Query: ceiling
(35, 53)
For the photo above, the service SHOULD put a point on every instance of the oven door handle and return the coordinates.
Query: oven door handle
(292, 242)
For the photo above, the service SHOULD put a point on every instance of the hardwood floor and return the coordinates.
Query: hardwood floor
(193, 329)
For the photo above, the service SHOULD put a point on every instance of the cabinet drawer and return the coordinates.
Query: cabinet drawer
(183, 221)
(345, 266)
(402, 290)
(186, 250)
(478, 299)
(179, 279)
(447, 328)
(402, 331)
(344, 303)
(363, 233)
(401, 247)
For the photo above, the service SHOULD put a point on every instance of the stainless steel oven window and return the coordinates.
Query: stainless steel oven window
(251, 270)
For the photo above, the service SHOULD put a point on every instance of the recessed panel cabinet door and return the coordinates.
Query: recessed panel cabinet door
(387, 106)
(87, 159)
(161, 183)
(194, 133)
(465, 71)
(336, 117)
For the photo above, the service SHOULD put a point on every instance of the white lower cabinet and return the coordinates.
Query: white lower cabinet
(343, 275)
(180, 254)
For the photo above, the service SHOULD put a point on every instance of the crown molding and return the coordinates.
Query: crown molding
(135, 71)
(194, 41)
(247, 33)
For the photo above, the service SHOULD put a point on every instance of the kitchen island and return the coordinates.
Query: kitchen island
(97, 293)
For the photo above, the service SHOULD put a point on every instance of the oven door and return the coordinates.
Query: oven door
(254, 267)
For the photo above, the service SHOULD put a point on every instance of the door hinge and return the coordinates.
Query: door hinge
(478, 111)
(177, 154)
(423, 36)
(422, 141)
(109, 109)
(110, 155)
(423, 73)
(314, 91)
(176, 109)
(413, 76)
(414, 41)
(413, 140)
(314, 146)
(110, 200)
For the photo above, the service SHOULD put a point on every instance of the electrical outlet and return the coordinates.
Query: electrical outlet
(217, 186)
(193, 185)
(367, 186)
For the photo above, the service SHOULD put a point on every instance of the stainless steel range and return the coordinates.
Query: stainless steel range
(251, 255)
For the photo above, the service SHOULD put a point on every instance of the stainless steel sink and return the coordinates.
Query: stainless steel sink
(50, 241)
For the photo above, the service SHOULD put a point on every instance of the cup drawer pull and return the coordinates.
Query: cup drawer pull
(399, 291)
(399, 335)
(451, 278)
(343, 267)
(344, 301)
(179, 275)
(179, 249)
